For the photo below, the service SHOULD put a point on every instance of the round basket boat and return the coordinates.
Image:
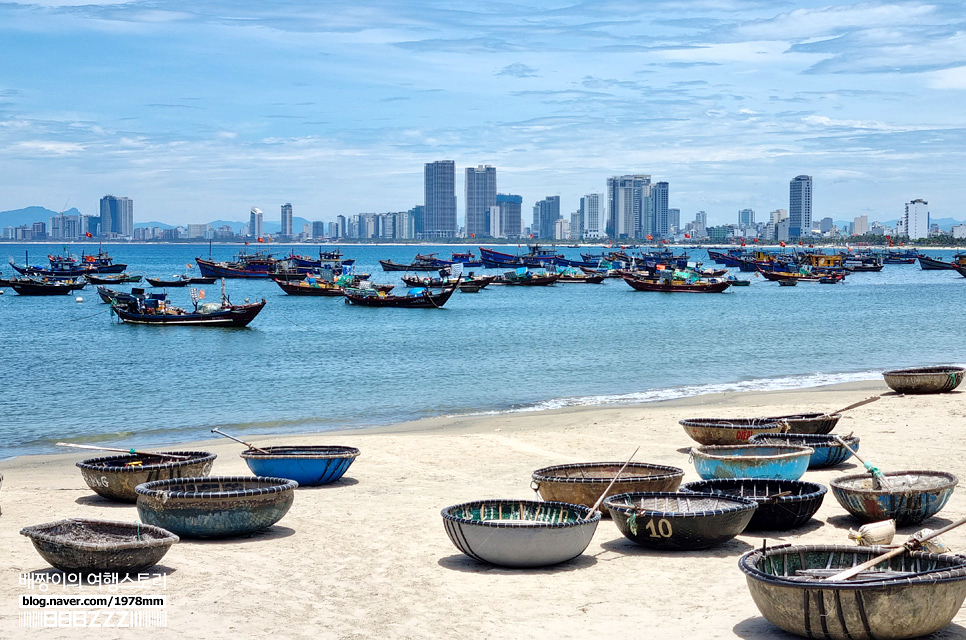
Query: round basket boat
(98, 546)
(520, 533)
(216, 507)
(795, 423)
(679, 521)
(782, 504)
(924, 379)
(115, 477)
(584, 483)
(908, 596)
(785, 462)
(729, 431)
(308, 465)
(827, 451)
(911, 496)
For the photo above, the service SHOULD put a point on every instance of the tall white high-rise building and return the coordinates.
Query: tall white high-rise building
(439, 212)
(626, 215)
(590, 207)
(662, 220)
(860, 226)
(800, 206)
(255, 223)
(117, 216)
(915, 221)
(286, 219)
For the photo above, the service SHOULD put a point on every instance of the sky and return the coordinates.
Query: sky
(200, 110)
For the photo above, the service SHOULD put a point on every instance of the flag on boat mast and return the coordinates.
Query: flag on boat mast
(456, 270)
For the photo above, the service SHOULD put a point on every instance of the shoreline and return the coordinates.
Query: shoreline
(368, 556)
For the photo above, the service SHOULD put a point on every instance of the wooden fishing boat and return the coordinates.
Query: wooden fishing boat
(583, 483)
(417, 298)
(309, 465)
(679, 521)
(580, 278)
(120, 278)
(782, 504)
(520, 533)
(67, 266)
(909, 497)
(86, 546)
(907, 596)
(427, 262)
(786, 462)
(935, 264)
(175, 281)
(215, 507)
(536, 256)
(478, 282)
(158, 312)
(244, 265)
(115, 477)
(36, 286)
(309, 288)
(109, 295)
(644, 281)
(523, 277)
(924, 379)
(788, 283)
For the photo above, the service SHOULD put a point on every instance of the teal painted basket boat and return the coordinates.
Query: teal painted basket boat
(787, 462)
(911, 496)
(215, 507)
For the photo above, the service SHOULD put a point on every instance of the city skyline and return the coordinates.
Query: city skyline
(217, 109)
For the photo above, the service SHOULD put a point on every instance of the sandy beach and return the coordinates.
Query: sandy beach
(368, 557)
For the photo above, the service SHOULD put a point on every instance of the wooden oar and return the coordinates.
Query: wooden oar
(868, 564)
(250, 446)
(854, 406)
(593, 509)
(877, 477)
(131, 451)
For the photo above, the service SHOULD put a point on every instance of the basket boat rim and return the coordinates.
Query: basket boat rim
(40, 533)
(709, 451)
(594, 518)
(304, 452)
(748, 561)
(815, 489)
(737, 503)
(545, 474)
(917, 371)
(168, 489)
(101, 463)
(838, 483)
(819, 439)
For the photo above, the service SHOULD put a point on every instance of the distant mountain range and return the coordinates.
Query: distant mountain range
(30, 215)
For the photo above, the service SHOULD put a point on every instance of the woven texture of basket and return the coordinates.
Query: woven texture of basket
(782, 504)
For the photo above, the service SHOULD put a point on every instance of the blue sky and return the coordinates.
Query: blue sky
(200, 110)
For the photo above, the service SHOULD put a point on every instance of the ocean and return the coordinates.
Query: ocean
(307, 364)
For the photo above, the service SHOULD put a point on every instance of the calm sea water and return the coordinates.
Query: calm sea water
(316, 364)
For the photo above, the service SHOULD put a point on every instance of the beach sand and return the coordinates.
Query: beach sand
(368, 557)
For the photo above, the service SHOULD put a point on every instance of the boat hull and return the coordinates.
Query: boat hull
(642, 284)
(235, 316)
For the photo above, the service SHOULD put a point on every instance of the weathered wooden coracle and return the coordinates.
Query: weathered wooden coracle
(215, 507)
(115, 477)
(908, 497)
(782, 504)
(680, 521)
(924, 379)
(585, 482)
(520, 533)
(795, 423)
(96, 546)
(309, 465)
(722, 431)
(785, 462)
(907, 596)
(826, 450)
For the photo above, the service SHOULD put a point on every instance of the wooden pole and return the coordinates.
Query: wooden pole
(131, 451)
(250, 446)
(604, 494)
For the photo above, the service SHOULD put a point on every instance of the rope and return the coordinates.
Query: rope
(297, 324)
(91, 316)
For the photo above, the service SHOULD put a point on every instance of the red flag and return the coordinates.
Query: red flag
(754, 239)
(664, 241)
(89, 234)
(260, 239)
(687, 235)
(782, 243)
(531, 235)
(650, 237)
(742, 242)
(472, 235)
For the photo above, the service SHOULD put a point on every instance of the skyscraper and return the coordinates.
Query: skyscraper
(286, 219)
(915, 221)
(800, 207)
(591, 210)
(662, 218)
(255, 223)
(746, 217)
(511, 214)
(546, 212)
(626, 215)
(439, 215)
(480, 196)
(117, 216)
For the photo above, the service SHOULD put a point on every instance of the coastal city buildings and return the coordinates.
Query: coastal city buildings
(255, 223)
(117, 217)
(439, 215)
(480, 197)
(800, 206)
(662, 221)
(860, 225)
(546, 212)
(286, 220)
(915, 221)
(510, 217)
(626, 203)
(592, 215)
